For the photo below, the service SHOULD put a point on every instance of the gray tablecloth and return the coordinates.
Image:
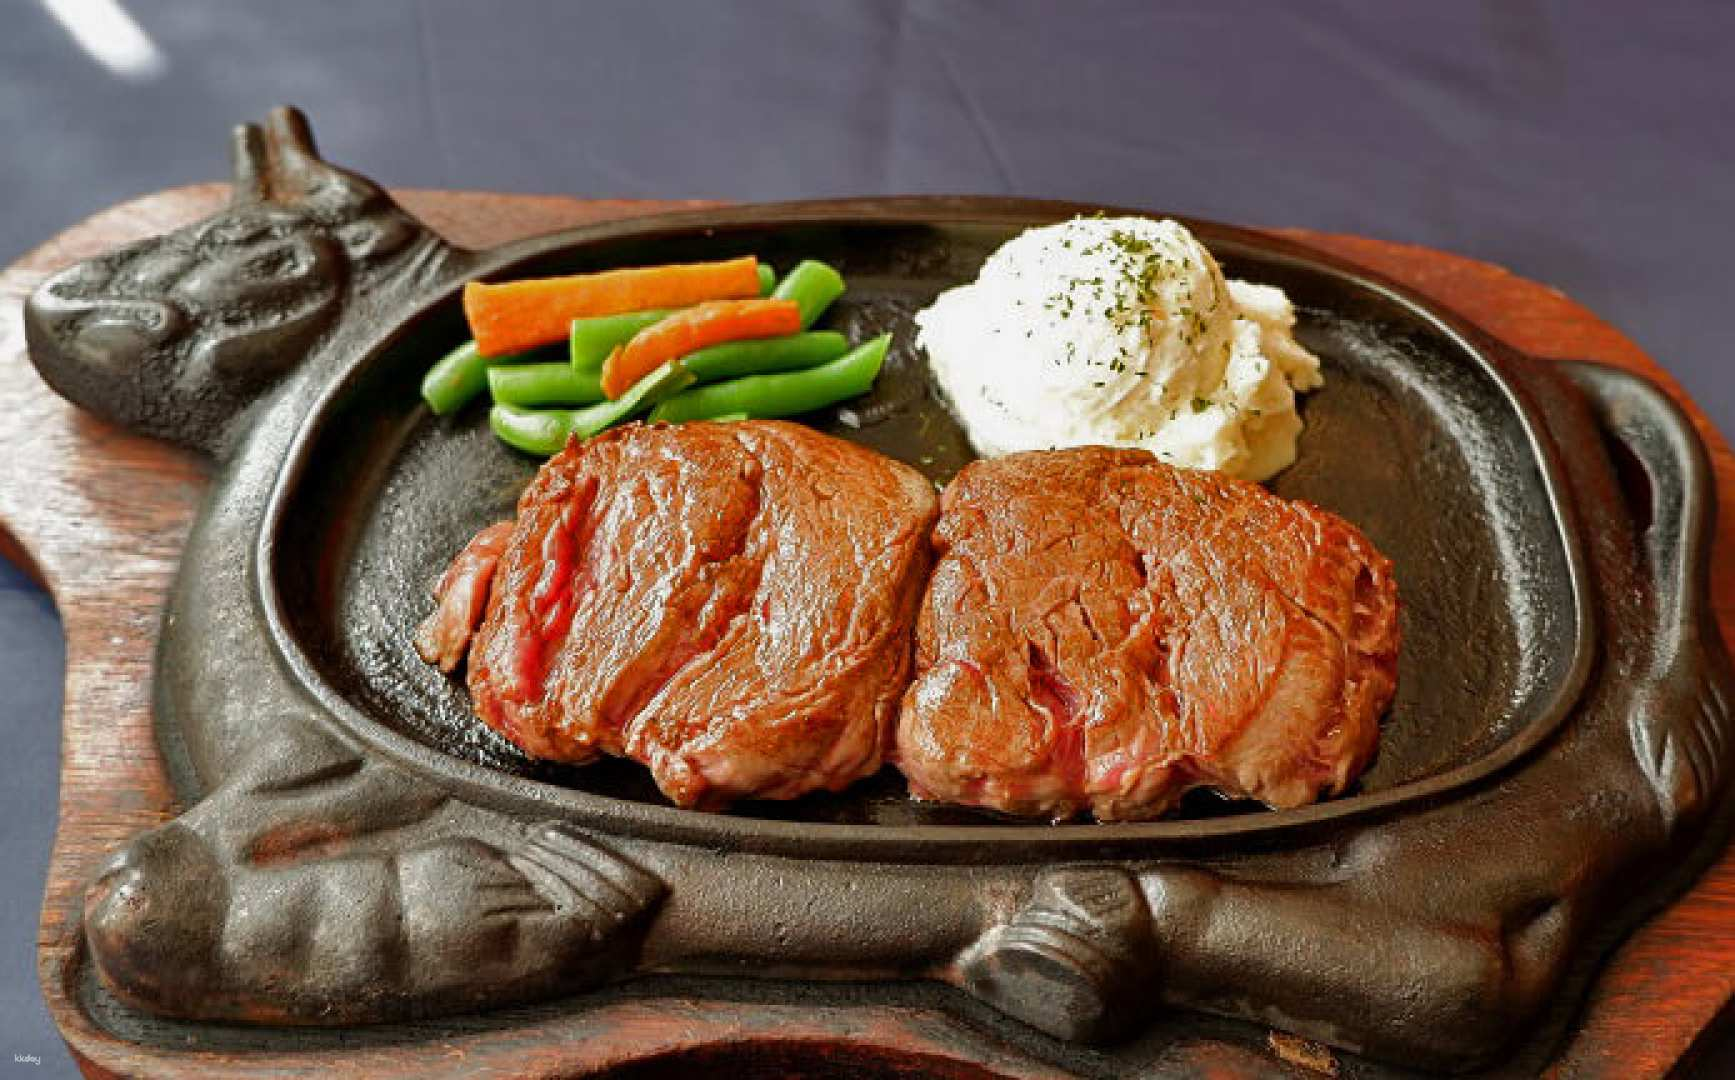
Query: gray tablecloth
(1588, 145)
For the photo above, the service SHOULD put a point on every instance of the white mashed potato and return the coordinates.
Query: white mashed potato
(1121, 332)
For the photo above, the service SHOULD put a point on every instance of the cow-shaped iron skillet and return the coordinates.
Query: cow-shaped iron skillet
(319, 880)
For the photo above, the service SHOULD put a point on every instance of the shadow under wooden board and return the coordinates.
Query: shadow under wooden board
(102, 516)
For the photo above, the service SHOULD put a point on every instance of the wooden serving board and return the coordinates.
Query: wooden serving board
(100, 516)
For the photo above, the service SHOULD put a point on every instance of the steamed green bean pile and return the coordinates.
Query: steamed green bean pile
(540, 402)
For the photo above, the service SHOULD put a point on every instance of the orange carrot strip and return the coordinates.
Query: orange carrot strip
(695, 328)
(514, 316)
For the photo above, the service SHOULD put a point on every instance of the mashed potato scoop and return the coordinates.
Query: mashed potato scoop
(1122, 332)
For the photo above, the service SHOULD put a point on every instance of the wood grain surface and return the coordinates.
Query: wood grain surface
(100, 517)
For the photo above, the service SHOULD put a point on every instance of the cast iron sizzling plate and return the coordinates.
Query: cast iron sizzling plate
(1417, 438)
(359, 850)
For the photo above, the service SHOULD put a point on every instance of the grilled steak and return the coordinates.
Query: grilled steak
(1104, 632)
(730, 604)
(462, 598)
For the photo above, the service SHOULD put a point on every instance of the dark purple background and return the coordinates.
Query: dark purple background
(1587, 145)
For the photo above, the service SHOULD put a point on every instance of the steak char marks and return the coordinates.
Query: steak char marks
(1103, 632)
(730, 604)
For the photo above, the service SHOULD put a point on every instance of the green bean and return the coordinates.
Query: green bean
(787, 393)
(459, 376)
(545, 431)
(731, 417)
(663, 383)
(544, 384)
(813, 286)
(767, 279)
(761, 356)
(593, 339)
(542, 432)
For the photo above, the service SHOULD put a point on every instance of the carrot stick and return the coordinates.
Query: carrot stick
(517, 315)
(695, 328)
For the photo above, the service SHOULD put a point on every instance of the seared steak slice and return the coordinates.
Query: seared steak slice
(730, 604)
(462, 599)
(1103, 632)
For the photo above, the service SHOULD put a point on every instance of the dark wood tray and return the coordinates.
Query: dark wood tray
(104, 514)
